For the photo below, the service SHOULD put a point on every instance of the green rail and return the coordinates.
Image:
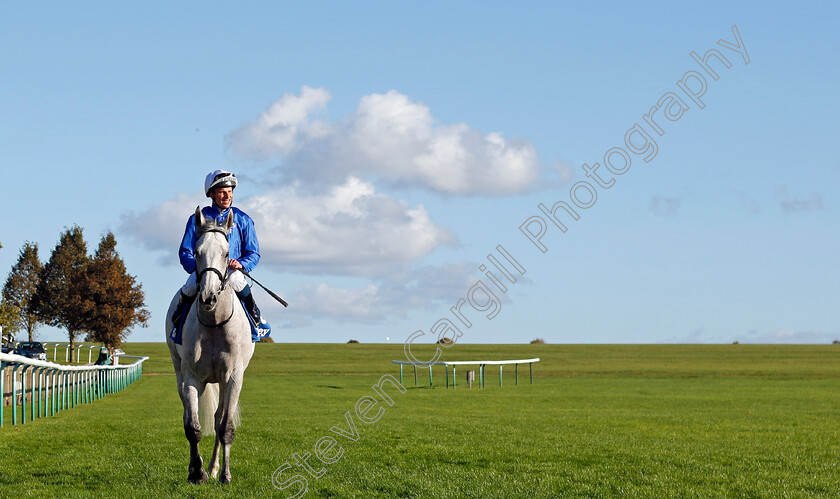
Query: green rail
(53, 388)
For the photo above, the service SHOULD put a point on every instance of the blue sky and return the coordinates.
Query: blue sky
(386, 149)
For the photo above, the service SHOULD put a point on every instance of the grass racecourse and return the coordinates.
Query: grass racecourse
(600, 421)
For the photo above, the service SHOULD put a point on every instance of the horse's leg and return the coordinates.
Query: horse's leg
(229, 399)
(214, 461)
(192, 428)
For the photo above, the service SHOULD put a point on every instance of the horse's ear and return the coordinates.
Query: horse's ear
(199, 217)
(229, 221)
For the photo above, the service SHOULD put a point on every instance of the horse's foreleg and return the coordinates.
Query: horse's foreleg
(192, 429)
(229, 399)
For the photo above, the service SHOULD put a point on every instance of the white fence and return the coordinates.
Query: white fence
(56, 347)
(54, 387)
(480, 363)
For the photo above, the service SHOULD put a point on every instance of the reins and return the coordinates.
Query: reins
(220, 324)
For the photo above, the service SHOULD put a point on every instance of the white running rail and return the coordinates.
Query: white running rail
(480, 363)
(55, 387)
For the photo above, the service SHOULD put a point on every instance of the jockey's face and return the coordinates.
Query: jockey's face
(222, 197)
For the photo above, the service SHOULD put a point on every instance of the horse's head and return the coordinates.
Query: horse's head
(211, 258)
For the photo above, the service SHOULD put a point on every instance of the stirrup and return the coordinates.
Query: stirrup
(260, 323)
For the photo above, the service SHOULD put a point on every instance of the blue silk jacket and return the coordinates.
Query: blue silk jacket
(244, 246)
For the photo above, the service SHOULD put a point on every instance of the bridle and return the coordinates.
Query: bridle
(223, 277)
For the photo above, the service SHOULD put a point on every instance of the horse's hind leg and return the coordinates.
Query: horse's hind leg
(214, 461)
(192, 429)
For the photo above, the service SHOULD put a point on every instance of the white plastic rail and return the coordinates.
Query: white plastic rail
(480, 363)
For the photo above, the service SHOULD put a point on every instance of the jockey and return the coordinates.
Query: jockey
(244, 247)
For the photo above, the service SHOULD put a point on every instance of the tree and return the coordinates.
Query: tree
(112, 302)
(8, 319)
(20, 287)
(56, 299)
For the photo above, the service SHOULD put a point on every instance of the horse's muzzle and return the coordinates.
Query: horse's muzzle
(208, 304)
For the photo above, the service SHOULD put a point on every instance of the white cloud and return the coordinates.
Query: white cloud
(389, 297)
(280, 127)
(390, 138)
(161, 227)
(325, 301)
(327, 218)
(349, 230)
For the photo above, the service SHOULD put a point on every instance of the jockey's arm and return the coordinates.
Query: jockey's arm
(186, 253)
(250, 255)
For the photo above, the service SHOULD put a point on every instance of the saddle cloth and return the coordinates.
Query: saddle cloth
(256, 332)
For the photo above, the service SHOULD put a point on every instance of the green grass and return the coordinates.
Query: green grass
(600, 421)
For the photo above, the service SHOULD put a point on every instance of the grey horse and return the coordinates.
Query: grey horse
(214, 352)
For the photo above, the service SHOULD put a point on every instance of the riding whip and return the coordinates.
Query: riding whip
(281, 300)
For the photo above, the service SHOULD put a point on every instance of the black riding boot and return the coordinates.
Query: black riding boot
(184, 304)
(251, 307)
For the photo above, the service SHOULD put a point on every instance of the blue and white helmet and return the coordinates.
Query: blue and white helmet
(218, 178)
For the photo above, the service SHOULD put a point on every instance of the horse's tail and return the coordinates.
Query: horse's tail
(207, 406)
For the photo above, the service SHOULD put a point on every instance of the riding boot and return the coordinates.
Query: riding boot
(184, 304)
(251, 307)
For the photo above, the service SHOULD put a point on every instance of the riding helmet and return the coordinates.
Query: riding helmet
(219, 178)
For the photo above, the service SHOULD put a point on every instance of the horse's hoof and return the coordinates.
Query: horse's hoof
(224, 478)
(198, 477)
